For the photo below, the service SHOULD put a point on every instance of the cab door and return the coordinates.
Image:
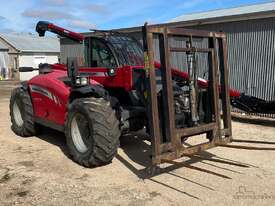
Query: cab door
(98, 54)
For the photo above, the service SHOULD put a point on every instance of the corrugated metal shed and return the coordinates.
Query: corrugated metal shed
(251, 38)
(32, 43)
(251, 55)
(3, 47)
(69, 48)
(242, 10)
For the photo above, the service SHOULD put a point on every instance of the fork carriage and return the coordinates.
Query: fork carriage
(217, 120)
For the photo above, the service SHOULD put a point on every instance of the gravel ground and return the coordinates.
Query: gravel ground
(38, 171)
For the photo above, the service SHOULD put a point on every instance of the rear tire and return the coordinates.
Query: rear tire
(92, 131)
(21, 113)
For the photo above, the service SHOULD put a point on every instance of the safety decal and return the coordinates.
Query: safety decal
(45, 92)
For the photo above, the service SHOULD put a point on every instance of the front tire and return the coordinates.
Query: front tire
(92, 131)
(21, 113)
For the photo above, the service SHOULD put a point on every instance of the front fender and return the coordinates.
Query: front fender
(88, 91)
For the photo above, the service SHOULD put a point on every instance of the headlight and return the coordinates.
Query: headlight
(84, 81)
(77, 81)
(81, 81)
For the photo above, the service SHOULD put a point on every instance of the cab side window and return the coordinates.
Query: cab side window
(102, 55)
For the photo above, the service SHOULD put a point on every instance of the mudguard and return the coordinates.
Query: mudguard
(24, 85)
(88, 91)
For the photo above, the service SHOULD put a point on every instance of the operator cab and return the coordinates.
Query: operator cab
(98, 54)
(104, 49)
(113, 49)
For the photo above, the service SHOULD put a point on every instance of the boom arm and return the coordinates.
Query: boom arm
(201, 82)
(239, 100)
(43, 26)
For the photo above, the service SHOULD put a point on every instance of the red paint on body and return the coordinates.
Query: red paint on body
(55, 110)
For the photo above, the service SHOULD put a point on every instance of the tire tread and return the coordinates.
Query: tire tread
(106, 131)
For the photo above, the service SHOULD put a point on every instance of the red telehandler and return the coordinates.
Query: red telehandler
(120, 88)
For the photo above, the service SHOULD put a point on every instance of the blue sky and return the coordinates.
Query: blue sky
(80, 15)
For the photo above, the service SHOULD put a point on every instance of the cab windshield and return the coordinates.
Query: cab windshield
(128, 50)
(111, 50)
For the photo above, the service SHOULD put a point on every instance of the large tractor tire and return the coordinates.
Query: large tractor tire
(21, 113)
(92, 131)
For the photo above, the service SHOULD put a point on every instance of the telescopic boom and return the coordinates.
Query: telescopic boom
(43, 26)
